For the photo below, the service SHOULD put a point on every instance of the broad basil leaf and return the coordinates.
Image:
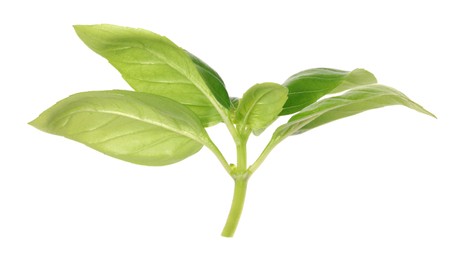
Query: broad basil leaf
(260, 106)
(136, 127)
(306, 87)
(350, 103)
(153, 64)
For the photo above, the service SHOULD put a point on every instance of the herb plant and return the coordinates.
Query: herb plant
(177, 96)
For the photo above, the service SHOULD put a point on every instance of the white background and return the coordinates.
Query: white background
(386, 184)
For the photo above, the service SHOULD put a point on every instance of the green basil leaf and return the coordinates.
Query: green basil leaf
(350, 103)
(153, 64)
(136, 127)
(260, 106)
(213, 80)
(306, 87)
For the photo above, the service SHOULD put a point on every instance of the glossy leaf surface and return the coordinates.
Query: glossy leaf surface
(136, 127)
(350, 103)
(212, 80)
(260, 106)
(306, 87)
(153, 64)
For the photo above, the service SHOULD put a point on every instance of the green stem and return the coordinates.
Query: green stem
(262, 157)
(230, 126)
(241, 157)
(236, 208)
(240, 176)
(220, 157)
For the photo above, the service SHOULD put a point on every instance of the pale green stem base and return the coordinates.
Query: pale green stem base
(236, 208)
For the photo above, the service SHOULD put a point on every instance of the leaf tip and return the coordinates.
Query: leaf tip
(79, 27)
(431, 114)
(41, 122)
(427, 112)
(35, 123)
(81, 30)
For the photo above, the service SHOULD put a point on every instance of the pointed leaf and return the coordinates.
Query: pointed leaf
(306, 87)
(136, 127)
(153, 64)
(260, 106)
(350, 103)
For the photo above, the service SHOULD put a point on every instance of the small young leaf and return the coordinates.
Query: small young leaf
(350, 103)
(306, 87)
(136, 127)
(234, 101)
(153, 64)
(260, 106)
